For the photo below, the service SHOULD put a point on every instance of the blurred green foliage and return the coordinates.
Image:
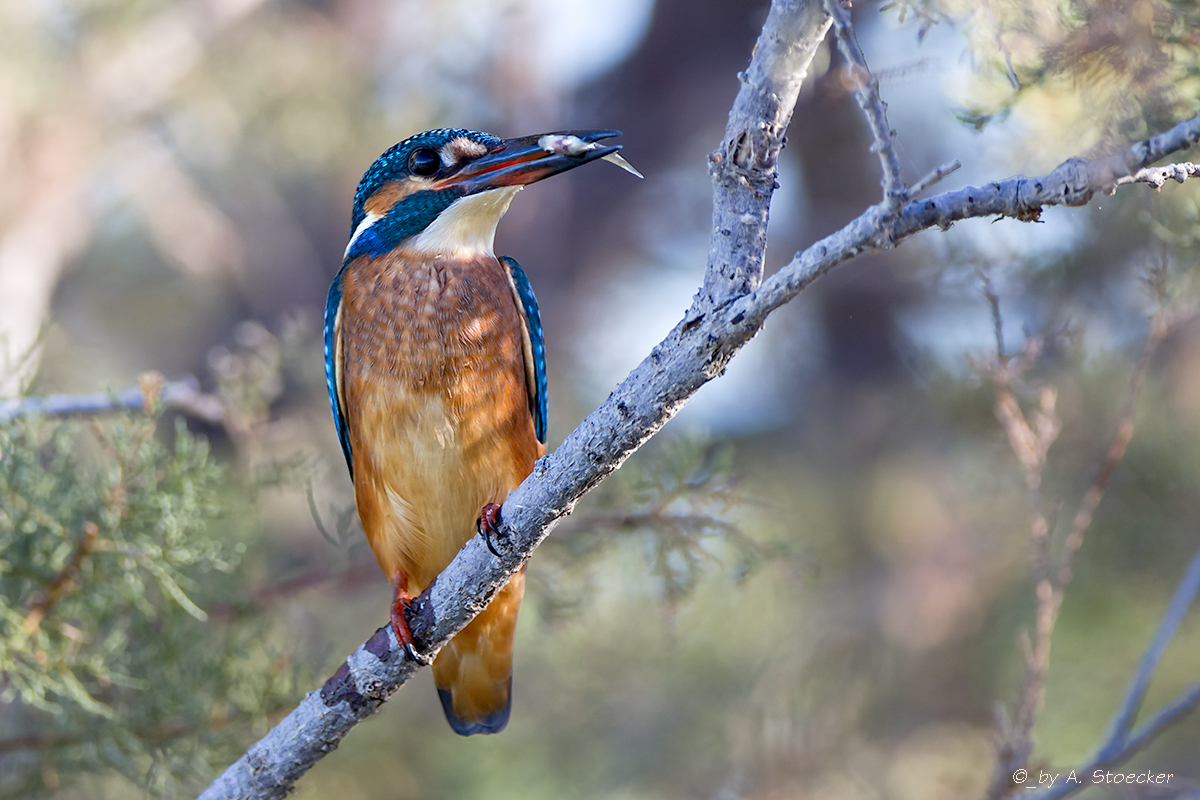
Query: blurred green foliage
(114, 545)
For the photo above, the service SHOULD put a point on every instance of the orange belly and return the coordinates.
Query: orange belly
(437, 405)
(440, 424)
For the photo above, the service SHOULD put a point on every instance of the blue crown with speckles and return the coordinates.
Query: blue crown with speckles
(393, 164)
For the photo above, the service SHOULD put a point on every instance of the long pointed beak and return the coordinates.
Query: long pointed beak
(524, 160)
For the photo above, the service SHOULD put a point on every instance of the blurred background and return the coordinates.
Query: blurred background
(813, 583)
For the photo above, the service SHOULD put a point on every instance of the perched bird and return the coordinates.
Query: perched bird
(437, 376)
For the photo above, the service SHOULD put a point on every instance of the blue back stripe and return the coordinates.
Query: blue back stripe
(533, 324)
(331, 378)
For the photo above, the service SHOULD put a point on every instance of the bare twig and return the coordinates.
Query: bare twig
(875, 110)
(1123, 740)
(350, 577)
(993, 300)
(1158, 176)
(1159, 328)
(1012, 73)
(723, 318)
(183, 396)
(694, 523)
(1015, 743)
(154, 735)
(355, 575)
(1030, 443)
(935, 177)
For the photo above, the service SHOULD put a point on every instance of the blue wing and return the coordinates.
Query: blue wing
(333, 372)
(535, 364)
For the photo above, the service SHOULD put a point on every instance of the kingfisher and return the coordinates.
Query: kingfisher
(436, 368)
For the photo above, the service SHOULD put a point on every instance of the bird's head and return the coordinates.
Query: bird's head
(444, 191)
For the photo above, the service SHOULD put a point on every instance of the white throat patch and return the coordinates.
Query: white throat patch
(468, 226)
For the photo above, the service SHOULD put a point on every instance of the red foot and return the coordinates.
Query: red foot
(488, 524)
(400, 602)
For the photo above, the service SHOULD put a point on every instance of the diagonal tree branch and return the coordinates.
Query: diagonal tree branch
(726, 313)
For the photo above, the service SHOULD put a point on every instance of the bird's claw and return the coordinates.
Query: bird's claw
(488, 524)
(400, 603)
(403, 635)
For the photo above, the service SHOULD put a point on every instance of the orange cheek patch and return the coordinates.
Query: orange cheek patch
(382, 201)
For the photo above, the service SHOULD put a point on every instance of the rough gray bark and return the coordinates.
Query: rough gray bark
(744, 168)
(729, 309)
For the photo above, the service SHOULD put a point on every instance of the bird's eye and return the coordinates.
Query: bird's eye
(424, 162)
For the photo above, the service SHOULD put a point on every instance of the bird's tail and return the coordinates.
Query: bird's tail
(473, 673)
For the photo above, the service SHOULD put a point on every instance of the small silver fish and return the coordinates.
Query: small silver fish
(574, 146)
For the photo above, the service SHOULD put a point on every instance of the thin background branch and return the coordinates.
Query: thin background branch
(872, 105)
(183, 396)
(1030, 438)
(1123, 739)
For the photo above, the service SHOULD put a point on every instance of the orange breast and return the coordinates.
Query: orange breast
(436, 403)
